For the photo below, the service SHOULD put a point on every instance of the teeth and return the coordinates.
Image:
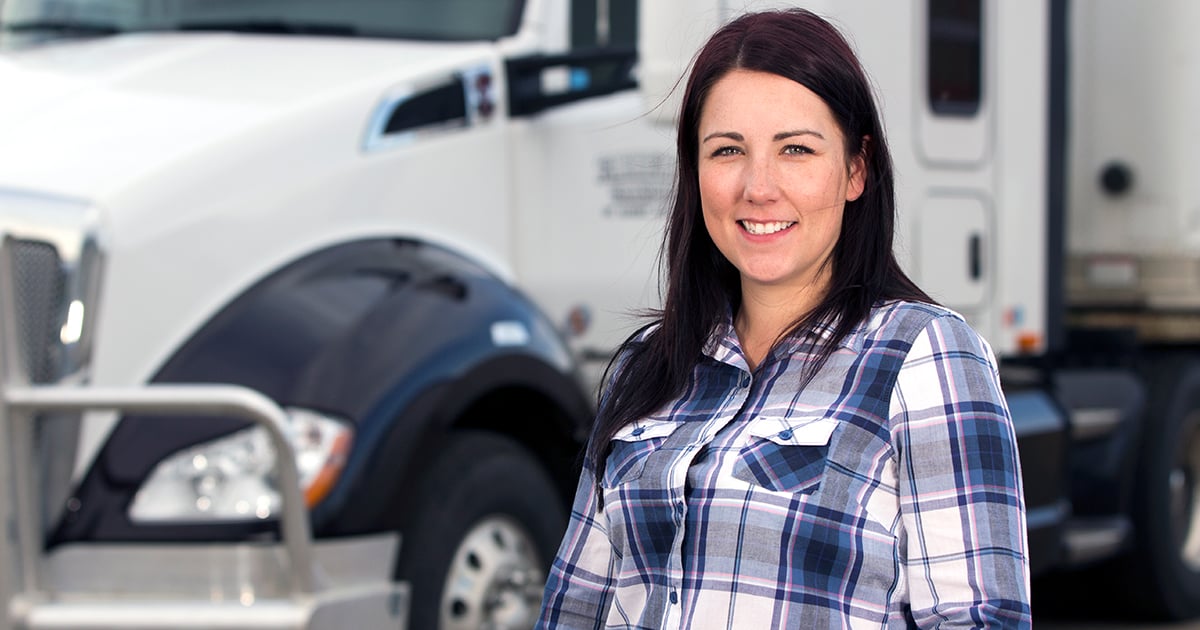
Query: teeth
(765, 228)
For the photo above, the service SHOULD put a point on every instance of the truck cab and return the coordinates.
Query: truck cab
(418, 230)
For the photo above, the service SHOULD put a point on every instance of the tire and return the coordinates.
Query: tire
(482, 532)
(1165, 564)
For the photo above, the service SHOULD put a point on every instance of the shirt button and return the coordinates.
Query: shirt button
(744, 381)
(785, 434)
(638, 430)
(679, 508)
(674, 597)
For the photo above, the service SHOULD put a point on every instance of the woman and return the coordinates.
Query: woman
(803, 439)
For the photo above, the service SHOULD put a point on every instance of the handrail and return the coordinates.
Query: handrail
(171, 399)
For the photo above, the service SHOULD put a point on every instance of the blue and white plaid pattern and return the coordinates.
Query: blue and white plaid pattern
(885, 494)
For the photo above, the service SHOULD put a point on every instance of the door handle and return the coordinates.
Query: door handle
(975, 256)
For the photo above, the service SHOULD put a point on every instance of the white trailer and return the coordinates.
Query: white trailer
(404, 239)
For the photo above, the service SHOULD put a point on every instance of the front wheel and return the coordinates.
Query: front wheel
(485, 525)
(1166, 560)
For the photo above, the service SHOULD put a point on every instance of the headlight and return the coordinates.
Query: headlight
(232, 478)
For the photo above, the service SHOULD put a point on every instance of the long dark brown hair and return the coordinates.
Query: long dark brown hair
(700, 283)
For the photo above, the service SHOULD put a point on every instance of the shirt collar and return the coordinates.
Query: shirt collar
(723, 344)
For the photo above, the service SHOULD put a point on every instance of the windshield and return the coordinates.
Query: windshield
(442, 20)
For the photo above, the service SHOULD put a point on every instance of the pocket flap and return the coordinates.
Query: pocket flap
(794, 431)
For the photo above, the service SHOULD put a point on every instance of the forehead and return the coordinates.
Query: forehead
(744, 100)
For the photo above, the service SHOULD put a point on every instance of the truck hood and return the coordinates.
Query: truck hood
(87, 118)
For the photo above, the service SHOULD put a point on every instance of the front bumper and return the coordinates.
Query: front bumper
(214, 586)
(294, 583)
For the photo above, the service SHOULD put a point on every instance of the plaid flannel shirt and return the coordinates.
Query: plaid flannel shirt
(884, 494)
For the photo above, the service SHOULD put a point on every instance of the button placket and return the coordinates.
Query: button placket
(678, 481)
(695, 441)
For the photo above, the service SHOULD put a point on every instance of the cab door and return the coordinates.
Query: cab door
(594, 174)
(954, 137)
(980, 211)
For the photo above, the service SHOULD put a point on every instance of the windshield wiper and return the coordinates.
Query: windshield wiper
(281, 27)
(68, 27)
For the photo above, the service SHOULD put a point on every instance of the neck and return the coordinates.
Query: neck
(767, 312)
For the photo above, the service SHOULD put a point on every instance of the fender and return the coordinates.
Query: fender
(396, 336)
(515, 395)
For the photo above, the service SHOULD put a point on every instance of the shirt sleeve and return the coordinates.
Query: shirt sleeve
(579, 586)
(961, 501)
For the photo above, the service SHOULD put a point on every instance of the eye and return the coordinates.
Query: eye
(726, 151)
(797, 149)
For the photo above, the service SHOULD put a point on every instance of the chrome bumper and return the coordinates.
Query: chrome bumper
(214, 586)
(295, 583)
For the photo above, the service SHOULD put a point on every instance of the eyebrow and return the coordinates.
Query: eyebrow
(782, 135)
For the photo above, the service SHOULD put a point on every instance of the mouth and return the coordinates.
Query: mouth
(763, 229)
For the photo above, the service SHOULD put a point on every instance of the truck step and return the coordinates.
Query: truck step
(1089, 539)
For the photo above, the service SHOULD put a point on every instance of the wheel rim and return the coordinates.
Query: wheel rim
(1185, 492)
(495, 580)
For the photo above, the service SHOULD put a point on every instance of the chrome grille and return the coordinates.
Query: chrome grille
(51, 258)
(39, 296)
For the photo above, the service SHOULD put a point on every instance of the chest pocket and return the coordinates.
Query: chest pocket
(630, 448)
(786, 454)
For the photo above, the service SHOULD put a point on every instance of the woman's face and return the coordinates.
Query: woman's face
(774, 179)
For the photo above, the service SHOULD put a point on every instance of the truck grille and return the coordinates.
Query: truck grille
(51, 260)
(39, 308)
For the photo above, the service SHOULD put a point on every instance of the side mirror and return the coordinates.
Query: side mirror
(538, 82)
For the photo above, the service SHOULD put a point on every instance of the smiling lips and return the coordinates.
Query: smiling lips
(762, 229)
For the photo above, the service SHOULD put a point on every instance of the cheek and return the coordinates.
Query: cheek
(710, 221)
(833, 227)
(707, 191)
(718, 186)
(819, 192)
(825, 184)
(711, 206)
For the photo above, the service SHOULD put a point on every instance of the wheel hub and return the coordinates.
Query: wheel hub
(495, 580)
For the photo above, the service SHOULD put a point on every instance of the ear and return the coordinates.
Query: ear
(858, 171)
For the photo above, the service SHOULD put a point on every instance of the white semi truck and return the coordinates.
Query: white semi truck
(303, 304)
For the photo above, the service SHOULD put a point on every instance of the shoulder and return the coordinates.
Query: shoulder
(899, 319)
(923, 324)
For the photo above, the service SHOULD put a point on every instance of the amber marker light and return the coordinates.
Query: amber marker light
(325, 478)
(1029, 342)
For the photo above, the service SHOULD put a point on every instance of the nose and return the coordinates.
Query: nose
(760, 184)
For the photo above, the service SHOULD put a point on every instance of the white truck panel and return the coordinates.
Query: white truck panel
(1115, 69)
(178, 88)
(1021, 256)
(571, 215)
